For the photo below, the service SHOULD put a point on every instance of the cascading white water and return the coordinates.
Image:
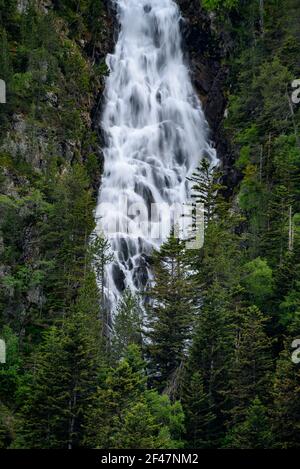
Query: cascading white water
(155, 133)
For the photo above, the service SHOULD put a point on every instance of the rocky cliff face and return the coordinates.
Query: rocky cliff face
(205, 57)
(55, 79)
(206, 49)
(30, 138)
(51, 121)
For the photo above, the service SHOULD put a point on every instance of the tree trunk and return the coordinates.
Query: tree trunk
(72, 405)
(291, 230)
(261, 16)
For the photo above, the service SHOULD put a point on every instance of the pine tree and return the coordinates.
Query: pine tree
(101, 256)
(7, 427)
(254, 432)
(289, 307)
(207, 190)
(139, 429)
(216, 260)
(62, 381)
(121, 387)
(126, 415)
(127, 325)
(199, 413)
(210, 356)
(151, 423)
(170, 312)
(286, 394)
(65, 235)
(251, 364)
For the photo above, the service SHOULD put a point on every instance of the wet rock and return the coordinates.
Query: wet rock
(205, 48)
(119, 277)
(51, 99)
(22, 6)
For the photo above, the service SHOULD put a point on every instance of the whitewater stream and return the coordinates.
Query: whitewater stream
(155, 135)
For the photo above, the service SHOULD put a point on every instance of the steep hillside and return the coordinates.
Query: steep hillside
(211, 363)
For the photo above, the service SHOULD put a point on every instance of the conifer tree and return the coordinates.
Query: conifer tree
(286, 394)
(62, 381)
(254, 432)
(170, 312)
(199, 413)
(126, 415)
(151, 423)
(139, 429)
(251, 364)
(7, 424)
(65, 235)
(127, 325)
(215, 261)
(121, 387)
(100, 254)
(210, 356)
(207, 189)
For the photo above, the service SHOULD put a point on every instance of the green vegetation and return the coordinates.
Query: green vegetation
(220, 4)
(210, 364)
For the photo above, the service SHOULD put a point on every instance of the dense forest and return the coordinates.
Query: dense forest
(210, 364)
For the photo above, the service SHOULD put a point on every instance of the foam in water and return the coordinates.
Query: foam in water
(155, 131)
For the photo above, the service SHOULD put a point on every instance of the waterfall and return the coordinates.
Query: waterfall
(155, 135)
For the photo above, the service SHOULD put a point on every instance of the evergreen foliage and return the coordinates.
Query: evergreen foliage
(207, 363)
(57, 394)
(254, 432)
(170, 314)
(128, 325)
(286, 410)
(127, 415)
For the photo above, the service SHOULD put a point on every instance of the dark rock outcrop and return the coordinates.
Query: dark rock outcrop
(205, 50)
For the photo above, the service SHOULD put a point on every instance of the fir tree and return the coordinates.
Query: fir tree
(63, 379)
(199, 413)
(101, 256)
(207, 189)
(286, 394)
(127, 325)
(139, 429)
(121, 387)
(151, 423)
(170, 312)
(251, 364)
(7, 427)
(254, 432)
(211, 355)
(65, 235)
(126, 415)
